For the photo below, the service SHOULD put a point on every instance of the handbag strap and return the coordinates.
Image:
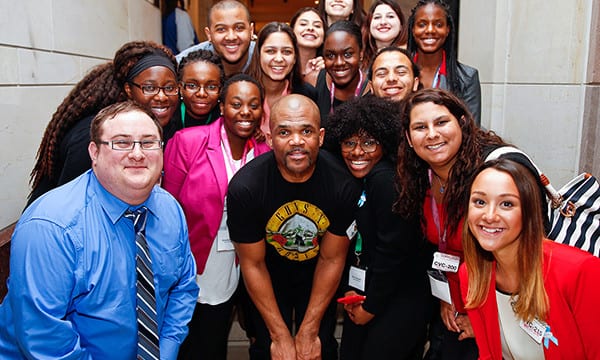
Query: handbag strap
(555, 197)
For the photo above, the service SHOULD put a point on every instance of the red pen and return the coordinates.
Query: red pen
(351, 299)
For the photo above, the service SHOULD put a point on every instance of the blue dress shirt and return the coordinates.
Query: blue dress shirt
(72, 292)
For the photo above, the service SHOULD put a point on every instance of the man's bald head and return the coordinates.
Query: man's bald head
(296, 136)
(295, 104)
(227, 5)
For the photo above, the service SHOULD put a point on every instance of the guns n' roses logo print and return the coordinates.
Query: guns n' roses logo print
(295, 229)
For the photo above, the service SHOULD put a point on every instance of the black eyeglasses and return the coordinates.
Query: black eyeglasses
(212, 89)
(151, 90)
(129, 145)
(367, 145)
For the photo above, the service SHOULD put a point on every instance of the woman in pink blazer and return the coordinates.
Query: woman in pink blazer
(199, 162)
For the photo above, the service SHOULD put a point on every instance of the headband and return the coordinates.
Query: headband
(149, 61)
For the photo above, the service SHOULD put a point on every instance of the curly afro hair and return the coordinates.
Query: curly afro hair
(378, 117)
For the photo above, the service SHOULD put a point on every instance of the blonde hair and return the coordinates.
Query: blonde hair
(532, 301)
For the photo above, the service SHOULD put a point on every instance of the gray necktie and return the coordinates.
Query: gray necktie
(146, 298)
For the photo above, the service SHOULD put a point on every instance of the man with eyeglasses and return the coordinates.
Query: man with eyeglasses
(289, 213)
(101, 267)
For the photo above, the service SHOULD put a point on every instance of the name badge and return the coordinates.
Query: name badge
(357, 278)
(439, 285)
(445, 262)
(352, 230)
(223, 241)
(534, 328)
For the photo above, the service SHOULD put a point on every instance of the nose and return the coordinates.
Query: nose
(391, 77)
(489, 214)
(230, 34)
(160, 94)
(136, 153)
(245, 110)
(202, 91)
(431, 132)
(296, 139)
(278, 56)
(358, 150)
(429, 28)
(339, 60)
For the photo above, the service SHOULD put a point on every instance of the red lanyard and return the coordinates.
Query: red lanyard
(356, 91)
(442, 243)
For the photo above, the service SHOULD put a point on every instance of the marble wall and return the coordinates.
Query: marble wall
(46, 46)
(534, 64)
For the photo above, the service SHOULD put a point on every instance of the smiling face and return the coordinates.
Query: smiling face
(128, 175)
(163, 106)
(242, 110)
(277, 56)
(230, 33)
(309, 30)
(385, 25)
(198, 102)
(342, 56)
(431, 28)
(359, 162)
(295, 137)
(338, 10)
(435, 135)
(393, 76)
(495, 213)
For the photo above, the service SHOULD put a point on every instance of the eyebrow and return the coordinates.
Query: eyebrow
(395, 67)
(501, 195)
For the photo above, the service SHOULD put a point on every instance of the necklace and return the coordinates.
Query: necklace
(442, 185)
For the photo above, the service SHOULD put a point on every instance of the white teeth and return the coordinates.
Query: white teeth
(359, 163)
(245, 123)
(491, 230)
(435, 147)
(159, 109)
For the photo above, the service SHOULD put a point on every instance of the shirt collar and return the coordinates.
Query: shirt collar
(113, 206)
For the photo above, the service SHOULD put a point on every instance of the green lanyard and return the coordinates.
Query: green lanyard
(182, 109)
(358, 248)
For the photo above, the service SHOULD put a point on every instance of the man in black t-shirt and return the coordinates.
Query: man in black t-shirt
(288, 213)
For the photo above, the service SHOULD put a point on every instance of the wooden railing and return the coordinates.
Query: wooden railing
(5, 235)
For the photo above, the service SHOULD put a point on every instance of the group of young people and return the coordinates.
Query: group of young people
(339, 156)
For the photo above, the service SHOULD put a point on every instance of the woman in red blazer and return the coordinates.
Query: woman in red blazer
(527, 297)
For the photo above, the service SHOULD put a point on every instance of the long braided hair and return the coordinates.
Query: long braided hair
(449, 47)
(95, 91)
(102, 86)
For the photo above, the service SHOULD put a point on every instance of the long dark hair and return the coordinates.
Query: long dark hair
(369, 41)
(357, 16)
(449, 47)
(310, 9)
(412, 171)
(533, 299)
(274, 27)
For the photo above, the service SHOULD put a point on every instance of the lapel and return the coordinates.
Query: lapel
(216, 157)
